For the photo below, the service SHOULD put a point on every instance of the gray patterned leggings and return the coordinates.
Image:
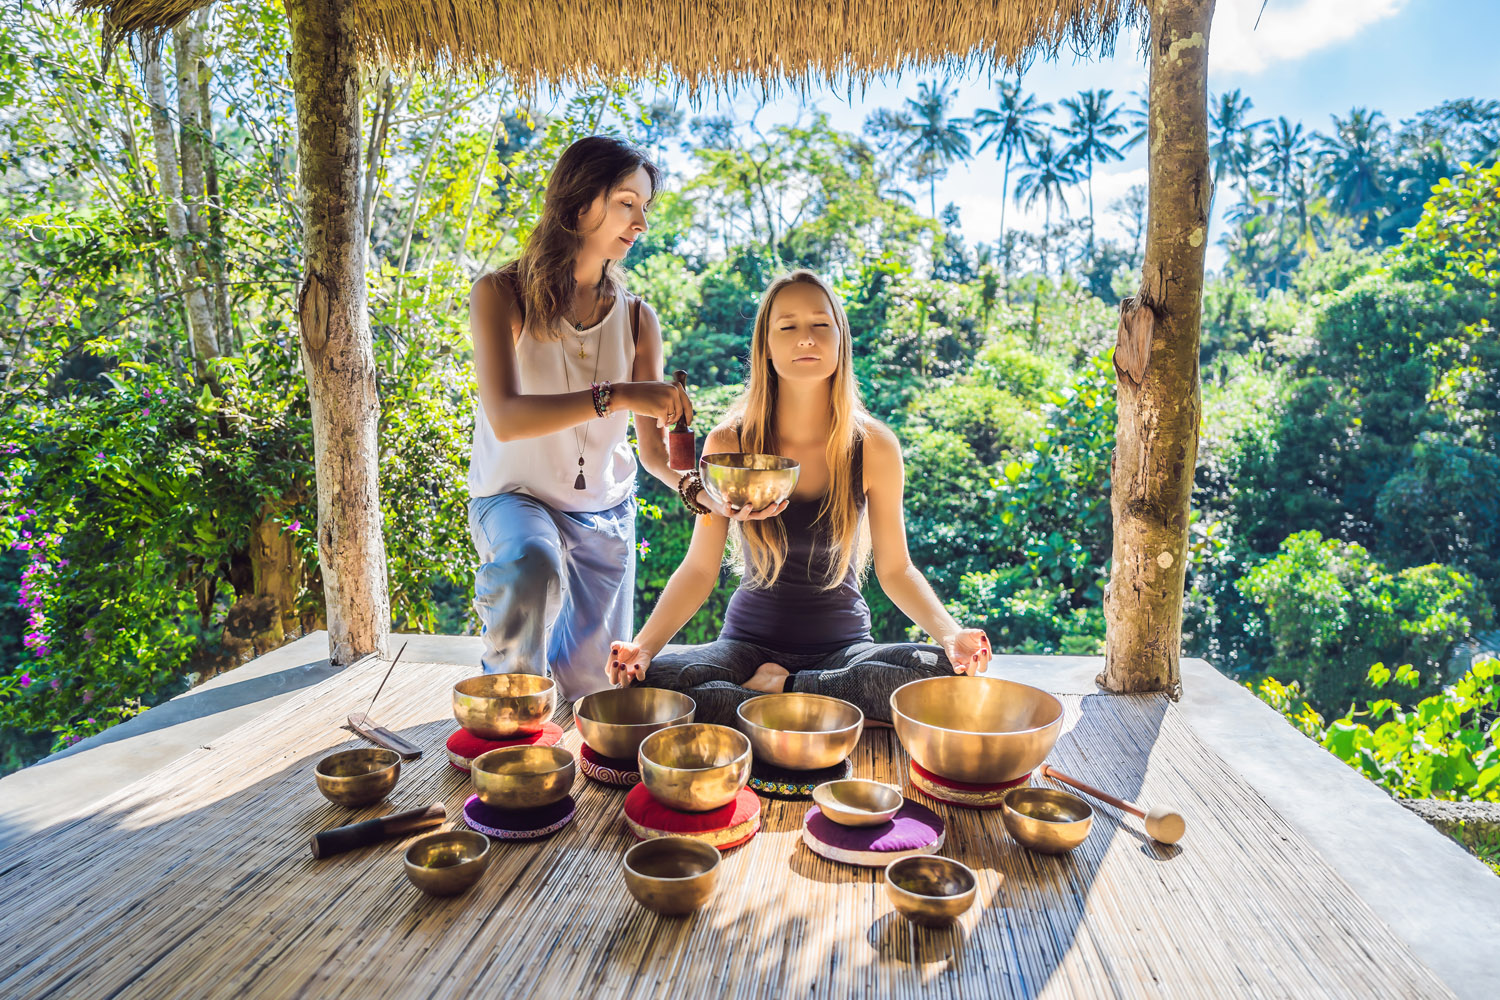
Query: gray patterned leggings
(865, 674)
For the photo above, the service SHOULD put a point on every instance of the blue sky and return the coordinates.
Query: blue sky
(1307, 60)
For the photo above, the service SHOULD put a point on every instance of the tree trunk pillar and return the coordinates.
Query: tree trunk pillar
(1156, 366)
(337, 353)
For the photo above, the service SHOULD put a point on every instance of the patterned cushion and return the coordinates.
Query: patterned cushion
(727, 826)
(914, 829)
(608, 770)
(961, 793)
(518, 824)
(464, 746)
(782, 783)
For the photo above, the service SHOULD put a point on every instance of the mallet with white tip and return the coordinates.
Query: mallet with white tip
(1163, 824)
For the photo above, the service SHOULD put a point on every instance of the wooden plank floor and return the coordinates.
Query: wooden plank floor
(196, 882)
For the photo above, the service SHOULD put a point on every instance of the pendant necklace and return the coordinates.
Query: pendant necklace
(579, 484)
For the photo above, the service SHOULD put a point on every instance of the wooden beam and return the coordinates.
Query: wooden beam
(337, 353)
(1156, 366)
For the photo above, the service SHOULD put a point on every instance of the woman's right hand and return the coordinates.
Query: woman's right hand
(627, 662)
(744, 513)
(666, 402)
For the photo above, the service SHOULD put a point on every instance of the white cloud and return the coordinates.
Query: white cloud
(1288, 30)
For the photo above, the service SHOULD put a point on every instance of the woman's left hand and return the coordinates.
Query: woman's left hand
(968, 650)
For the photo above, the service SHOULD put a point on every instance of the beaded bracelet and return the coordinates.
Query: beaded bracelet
(602, 392)
(688, 487)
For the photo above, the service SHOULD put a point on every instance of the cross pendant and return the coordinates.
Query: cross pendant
(581, 352)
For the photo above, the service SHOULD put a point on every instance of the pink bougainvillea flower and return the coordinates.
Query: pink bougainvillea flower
(25, 680)
(295, 525)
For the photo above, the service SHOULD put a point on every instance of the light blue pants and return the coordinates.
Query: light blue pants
(553, 589)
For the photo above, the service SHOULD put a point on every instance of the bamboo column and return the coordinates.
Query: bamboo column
(1156, 366)
(337, 353)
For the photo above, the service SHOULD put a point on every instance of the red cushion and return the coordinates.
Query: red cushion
(962, 793)
(464, 746)
(726, 826)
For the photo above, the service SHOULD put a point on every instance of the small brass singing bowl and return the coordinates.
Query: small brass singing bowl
(447, 862)
(801, 732)
(981, 730)
(503, 706)
(523, 777)
(615, 722)
(696, 767)
(738, 480)
(1046, 820)
(930, 890)
(858, 801)
(357, 778)
(671, 875)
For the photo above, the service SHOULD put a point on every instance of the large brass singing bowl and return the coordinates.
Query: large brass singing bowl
(614, 722)
(357, 778)
(696, 767)
(503, 706)
(736, 479)
(1047, 820)
(671, 875)
(448, 862)
(801, 732)
(930, 890)
(523, 777)
(980, 730)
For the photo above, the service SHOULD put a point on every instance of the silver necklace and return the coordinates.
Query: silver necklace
(579, 484)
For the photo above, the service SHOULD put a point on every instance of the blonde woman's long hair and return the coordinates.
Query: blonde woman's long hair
(759, 547)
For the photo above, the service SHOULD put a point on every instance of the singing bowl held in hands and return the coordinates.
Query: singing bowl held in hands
(504, 706)
(615, 722)
(799, 731)
(738, 479)
(981, 730)
(696, 767)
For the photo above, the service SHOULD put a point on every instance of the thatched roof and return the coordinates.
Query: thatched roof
(702, 42)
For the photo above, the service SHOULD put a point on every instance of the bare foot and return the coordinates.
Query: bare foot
(769, 678)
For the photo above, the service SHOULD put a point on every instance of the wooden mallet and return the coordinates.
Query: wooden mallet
(1163, 824)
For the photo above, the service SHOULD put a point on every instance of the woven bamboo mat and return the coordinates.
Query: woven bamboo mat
(197, 882)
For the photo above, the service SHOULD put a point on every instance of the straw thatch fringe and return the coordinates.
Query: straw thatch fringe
(710, 43)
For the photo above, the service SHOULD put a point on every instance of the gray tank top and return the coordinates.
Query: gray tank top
(796, 614)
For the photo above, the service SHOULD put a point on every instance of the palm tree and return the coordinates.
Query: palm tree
(1284, 166)
(1050, 171)
(1091, 124)
(1229, 121)
(936, 140)
(1354, 164)
(1012, 129)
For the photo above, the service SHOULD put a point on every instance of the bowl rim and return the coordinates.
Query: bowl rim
(694, 770)
(318, 768)
(739, 712)
(977, 732)
(972, 876)
(582, 702)
(677, 839)
(550, 686)
(901, 796)
(556, 751)
(461, 835)
(1088, 810)
(792, 463)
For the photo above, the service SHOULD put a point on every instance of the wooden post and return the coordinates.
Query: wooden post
(1156, 366)
(337, 353)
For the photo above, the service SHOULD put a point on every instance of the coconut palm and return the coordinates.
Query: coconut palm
(1049, 172)
(935, 139)
(1091, 124)
(1013, 128)
(1229, 121)
(1354, 164)
(1285, 154)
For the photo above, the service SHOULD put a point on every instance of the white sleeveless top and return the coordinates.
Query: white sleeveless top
(546, 467)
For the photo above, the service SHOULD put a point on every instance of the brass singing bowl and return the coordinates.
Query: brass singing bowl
(696, 767)
(358, 777)
(981, 730)
(503, 706)
(1047, 820)
(671, 875)
(801, 732)
(930, 890)
(858, 801)
(447, 862)
(737, 479)
(523, 777)
(614, 722)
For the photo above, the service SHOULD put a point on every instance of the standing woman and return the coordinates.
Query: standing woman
(563, 354)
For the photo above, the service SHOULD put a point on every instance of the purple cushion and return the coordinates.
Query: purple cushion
(914, 827)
